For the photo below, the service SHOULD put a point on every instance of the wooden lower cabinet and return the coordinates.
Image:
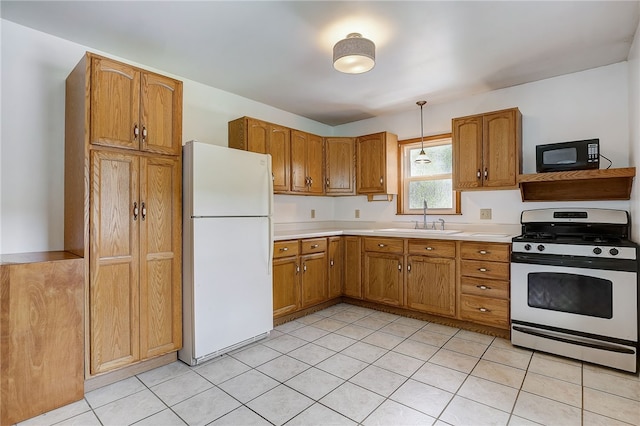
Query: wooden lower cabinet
(353, 267)
(315, 288)
(335, 254)
(41, 333)
(135, 264)
(431, 285)
(286, 278)
(484, 283)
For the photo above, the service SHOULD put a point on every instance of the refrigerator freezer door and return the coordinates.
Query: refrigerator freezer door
(230, 182)
(232, 294)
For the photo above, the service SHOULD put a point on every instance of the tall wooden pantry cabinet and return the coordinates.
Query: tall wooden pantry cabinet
(123, 191)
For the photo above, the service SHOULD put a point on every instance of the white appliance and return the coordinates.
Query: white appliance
(227, 250)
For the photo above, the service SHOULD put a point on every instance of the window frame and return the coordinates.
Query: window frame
(403, 184)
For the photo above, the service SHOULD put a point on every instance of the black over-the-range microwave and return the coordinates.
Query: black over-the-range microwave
(575, 155)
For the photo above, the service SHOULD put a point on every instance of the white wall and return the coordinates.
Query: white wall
(584, 105)
(34, 68)
(634, 129)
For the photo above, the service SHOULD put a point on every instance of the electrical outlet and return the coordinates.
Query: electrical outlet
(485, 213)
(313, 213)
(357, 213)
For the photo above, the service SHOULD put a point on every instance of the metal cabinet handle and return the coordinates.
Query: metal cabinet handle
(381, 245)
(144, 211)
(483, 287)
(304, 267)
(297, 268)
(314, 246)
(135, 210)
(310, 181)
(482, 269)
(486, 173)
(284, 249)
(331, 262)
(399, 266)
(483, 252)
(381, 180)
(136, 131)
(327, 182)
(409, 267)
(484, 310)
(144, 133)
(478, 174)
(429, 248)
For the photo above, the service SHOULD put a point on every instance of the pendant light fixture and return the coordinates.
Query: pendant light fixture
(422, 156)
(354, 54)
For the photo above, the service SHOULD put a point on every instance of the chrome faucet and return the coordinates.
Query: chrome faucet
(441, 223)
(424, 215)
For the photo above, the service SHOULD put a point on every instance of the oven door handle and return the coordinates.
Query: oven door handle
(599, 345)
(626, 265)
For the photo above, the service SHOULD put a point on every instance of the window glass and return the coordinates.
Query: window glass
(431, 182)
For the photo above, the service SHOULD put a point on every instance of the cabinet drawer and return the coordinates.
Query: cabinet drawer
(480, 269)
(434, 248)
(384, 245)
(486, 288)
(313, 245)
(485, 251)
(485, 310)
(285, 249)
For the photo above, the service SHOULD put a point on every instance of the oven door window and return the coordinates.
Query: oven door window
(573, 293)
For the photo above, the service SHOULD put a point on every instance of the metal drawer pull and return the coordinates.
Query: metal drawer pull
(314, 246)
(284, 249)
(483, 252)
(144, 211)
(399, 266)
(409, 267)
(482, 269)
(304, 267)
(331, 262)
(484, 310)
(135, 210)
(429, 248)
(483, 287)
(478, 174)
(144, 133)
(380, 245)
(297, 268)
(136, 131)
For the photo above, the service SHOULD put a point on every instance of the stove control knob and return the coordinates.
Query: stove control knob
(540, 247)
(527, 247)
(597, 250)
(614, 252)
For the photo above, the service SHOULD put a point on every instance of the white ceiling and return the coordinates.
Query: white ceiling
(279, 52)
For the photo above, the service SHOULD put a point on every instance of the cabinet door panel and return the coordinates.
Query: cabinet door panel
(114, 274)
(161, 114)
(315, 164)
(336, 266)
(500, 149)
(160, 239)
(115, 103)
(371, 163)
(258, 136)
(286, 288)
(280, 150)
(314, 279)
(383, 278)
(340, 166)
(353, 267)
(298, 161)
(431, 285)
(467, 153)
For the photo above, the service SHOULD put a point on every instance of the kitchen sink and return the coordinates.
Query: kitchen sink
(488, 234)
(421, 231)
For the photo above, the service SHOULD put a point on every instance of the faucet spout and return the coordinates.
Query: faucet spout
(441, 223)
(424, 215)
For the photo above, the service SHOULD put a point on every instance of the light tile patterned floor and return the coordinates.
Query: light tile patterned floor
(349, 365)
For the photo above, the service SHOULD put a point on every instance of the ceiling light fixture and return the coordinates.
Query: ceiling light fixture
(354, 54)
(422, 156)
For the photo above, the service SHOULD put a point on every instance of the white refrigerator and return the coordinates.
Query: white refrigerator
(227, 250)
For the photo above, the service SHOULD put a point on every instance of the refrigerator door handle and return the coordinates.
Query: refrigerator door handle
(271, 231)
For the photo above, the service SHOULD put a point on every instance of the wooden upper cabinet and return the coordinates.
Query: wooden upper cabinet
(377, 164)
(307, 163)
(134, 109)
(487, 150)
(340, 166)
(260, 136)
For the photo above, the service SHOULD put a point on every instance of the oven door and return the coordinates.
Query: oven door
(589, 302)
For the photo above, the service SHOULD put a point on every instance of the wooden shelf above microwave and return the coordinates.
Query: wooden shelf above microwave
(578, 185)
